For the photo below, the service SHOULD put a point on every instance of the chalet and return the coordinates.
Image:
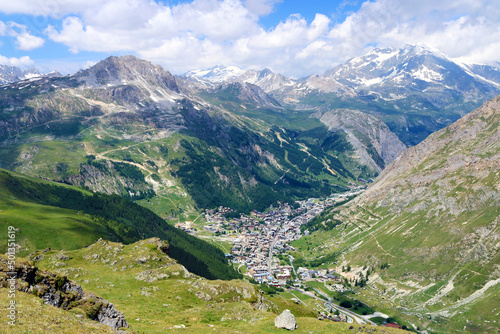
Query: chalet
(262, 276)
(283, 276)
(313, 272)
(275, 283)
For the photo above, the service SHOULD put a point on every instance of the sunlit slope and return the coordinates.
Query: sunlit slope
(433, 217)
(157, 295)
(48, 214)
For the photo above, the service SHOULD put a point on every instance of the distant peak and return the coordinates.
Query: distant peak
(124, 69)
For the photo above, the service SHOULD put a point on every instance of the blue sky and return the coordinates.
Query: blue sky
(292, 37)
(336, 10)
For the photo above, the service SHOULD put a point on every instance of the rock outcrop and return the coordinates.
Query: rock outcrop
(58, 291)
(375, 144)
(286, 320)
(121, 70)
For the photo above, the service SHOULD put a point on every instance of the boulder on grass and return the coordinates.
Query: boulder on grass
(286, 320)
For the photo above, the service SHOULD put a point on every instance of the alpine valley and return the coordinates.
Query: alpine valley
(368, 194)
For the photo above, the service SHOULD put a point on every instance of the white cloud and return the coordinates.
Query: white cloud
(202, 33)
(261, 7)
(23, 39)
(457, 28)
(54, 8)
(22, 62)
(219, 21)
(26, 42)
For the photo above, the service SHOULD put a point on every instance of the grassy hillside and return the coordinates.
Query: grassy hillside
(64, 217)
(428, 230)
(37, 317)
(157, 295)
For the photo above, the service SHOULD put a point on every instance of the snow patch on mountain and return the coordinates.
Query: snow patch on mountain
(426, 74)
(216, 74)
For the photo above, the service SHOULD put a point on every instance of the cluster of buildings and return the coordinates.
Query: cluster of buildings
(263, 236)
(322, 274)
(276, 277)
(260, 237)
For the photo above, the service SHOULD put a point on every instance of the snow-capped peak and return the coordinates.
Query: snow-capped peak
(216, 74)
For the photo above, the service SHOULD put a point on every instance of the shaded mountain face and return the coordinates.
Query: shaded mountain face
(431, 221)
(246, 93)
(127, 127)
(71, 218)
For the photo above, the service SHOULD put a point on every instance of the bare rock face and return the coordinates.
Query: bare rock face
(286, 320)
(111, 317)
(261, 305)
(375, 145)
(60, 292)
(120, 70)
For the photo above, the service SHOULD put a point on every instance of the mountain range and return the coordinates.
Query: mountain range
(415, 91)
(9, 74)
(139, 150)
(425, 234)
(125, 126)
(129, 127)
(414, 69)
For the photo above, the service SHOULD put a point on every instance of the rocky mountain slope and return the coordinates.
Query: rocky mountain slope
(372, 139)
(415, 90)
(428, 229)
(10, 74)
(128, 127)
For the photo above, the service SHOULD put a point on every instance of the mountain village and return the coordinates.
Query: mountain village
(259, 238)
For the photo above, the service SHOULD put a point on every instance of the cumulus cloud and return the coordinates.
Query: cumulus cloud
(202, 33)
(261, 7)
(54, 8)
(442, 25)
(22, 62)
(26, 42)
(23, 39)
(220, 21)
(191, 35)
